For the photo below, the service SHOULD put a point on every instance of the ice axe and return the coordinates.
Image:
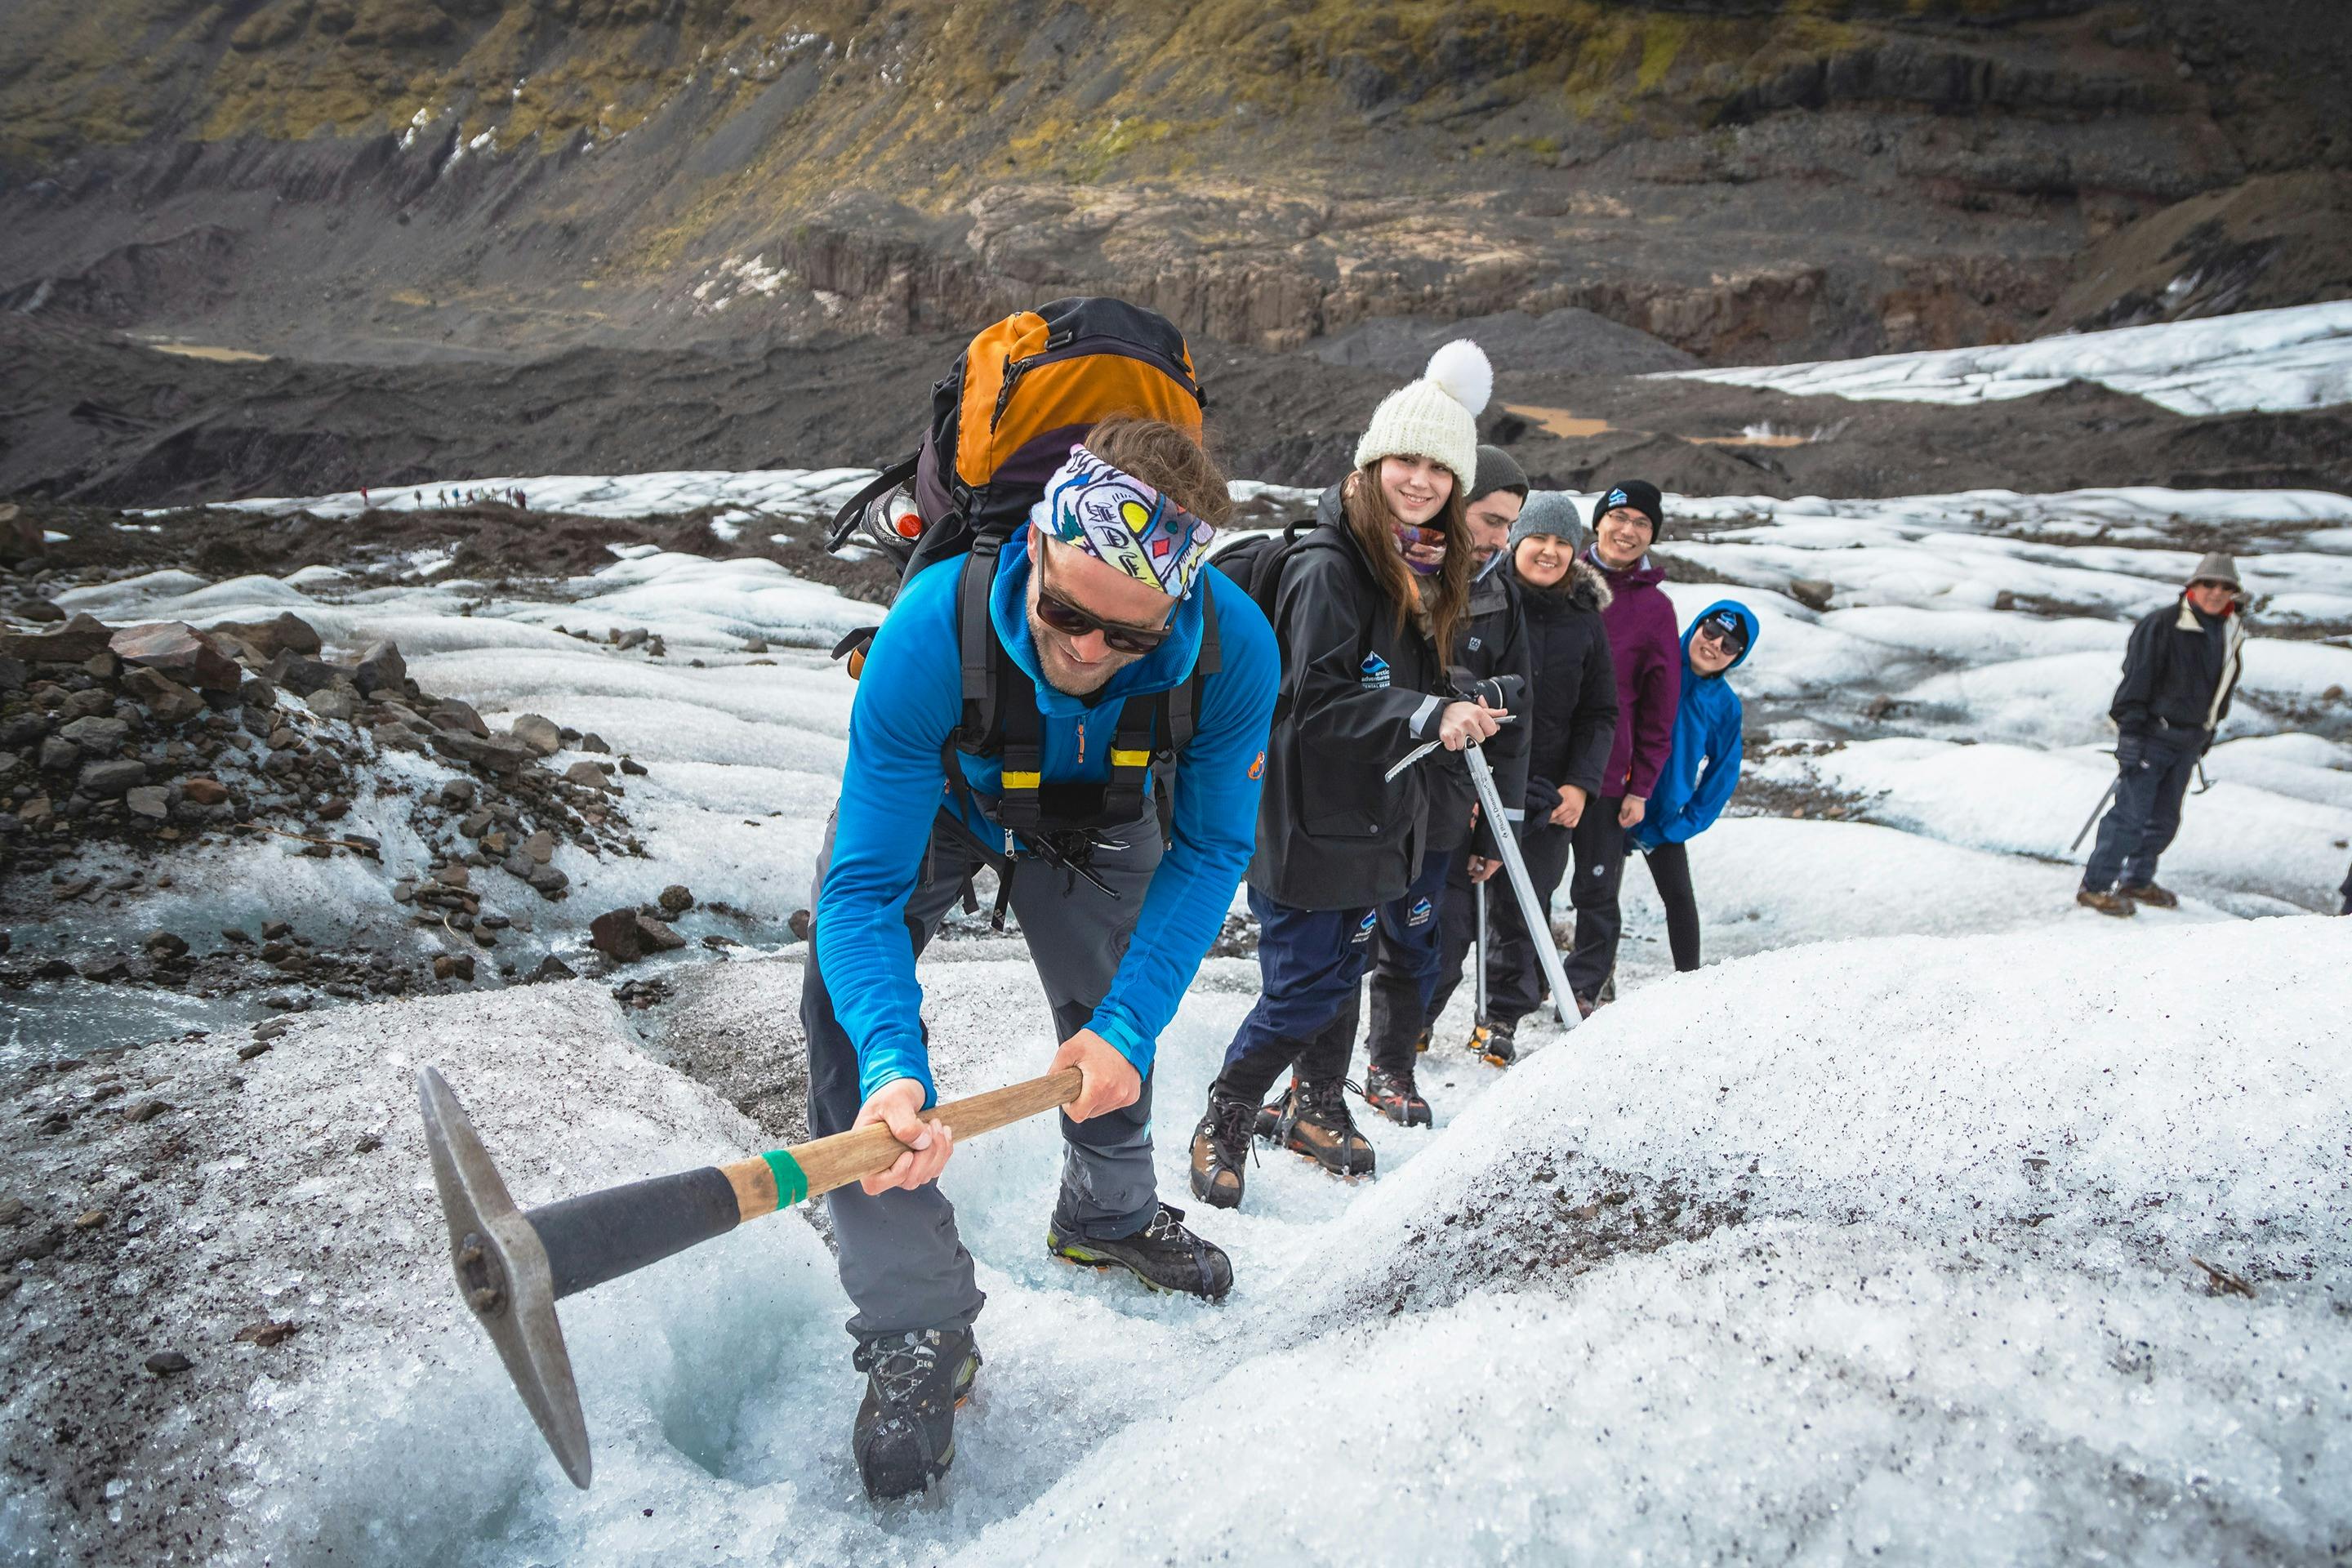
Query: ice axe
(513, 1264)
(2096, 811)
(1501, 692)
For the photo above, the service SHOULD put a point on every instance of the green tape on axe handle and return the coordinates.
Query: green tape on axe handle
(791, 1181)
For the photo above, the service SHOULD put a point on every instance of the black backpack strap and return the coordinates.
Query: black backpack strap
(1183, 702)
(1021, 752)
(983, 657)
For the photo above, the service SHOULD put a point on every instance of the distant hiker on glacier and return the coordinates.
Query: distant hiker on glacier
(1573, 719)
(2180, 670)
(1363, 604)
(1492, 642)
(1702, 769)
(1034, 670)
(1646, 657)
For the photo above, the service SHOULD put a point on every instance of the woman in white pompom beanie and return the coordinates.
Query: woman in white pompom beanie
(1368, 608)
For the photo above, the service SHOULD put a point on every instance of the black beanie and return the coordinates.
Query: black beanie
(1496, 471)
(1640, 495)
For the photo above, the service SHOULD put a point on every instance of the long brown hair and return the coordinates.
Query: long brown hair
(1365, 505)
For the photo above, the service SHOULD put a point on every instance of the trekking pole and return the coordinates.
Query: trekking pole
(513, 1266)
(2096, 812)
(1479, 948)
(2203, 783)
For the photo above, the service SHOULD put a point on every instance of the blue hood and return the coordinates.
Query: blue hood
(1704, 767)
(1746, 617)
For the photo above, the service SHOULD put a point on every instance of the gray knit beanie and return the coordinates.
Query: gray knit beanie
(1549, 512)
(1497, 471)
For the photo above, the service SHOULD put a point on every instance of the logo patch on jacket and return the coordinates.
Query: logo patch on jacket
(1419, 914)
(1257, 768)
(1475, 643)
(1364, 932)
(1376, 673)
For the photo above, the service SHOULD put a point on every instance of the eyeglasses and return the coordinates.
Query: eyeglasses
(1071, 621)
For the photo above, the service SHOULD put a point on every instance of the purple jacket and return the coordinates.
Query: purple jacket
(1648, 655)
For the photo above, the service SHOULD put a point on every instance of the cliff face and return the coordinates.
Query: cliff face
(1745, 180)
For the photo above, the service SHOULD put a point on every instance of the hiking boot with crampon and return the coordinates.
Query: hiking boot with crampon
(905, 1435)
(1219, 1149)
(2149, 894)
(2105, 903)
(1165, 1255)
(1497, 1042)
(1311, 1119)
(1393, 1096)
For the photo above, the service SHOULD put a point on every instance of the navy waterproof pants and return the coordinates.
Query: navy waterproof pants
(1310, 965)
(1414, 951)
(2139, 825)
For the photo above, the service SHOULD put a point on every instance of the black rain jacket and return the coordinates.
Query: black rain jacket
(1359, 694)
(2180, 670)
(1575, 685)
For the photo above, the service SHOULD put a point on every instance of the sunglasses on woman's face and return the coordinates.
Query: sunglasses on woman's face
(1071, 621)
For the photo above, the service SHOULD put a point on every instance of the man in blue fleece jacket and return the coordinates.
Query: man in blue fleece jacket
(1701, 771)
(1099, 598)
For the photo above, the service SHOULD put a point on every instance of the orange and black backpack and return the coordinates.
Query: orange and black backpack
(1003, 420)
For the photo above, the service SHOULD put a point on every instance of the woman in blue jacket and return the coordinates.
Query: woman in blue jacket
(1703, 769)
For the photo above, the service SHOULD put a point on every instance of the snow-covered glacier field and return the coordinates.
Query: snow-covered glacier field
(1936, 1220)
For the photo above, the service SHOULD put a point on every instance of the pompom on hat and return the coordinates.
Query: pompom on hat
(1437, 416)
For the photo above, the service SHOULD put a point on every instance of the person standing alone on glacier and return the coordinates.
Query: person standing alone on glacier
(1102, 596)
(2180, 669)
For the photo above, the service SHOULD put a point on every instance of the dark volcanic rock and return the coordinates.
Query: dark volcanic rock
(76, 640)
(180, 652)
(499, 756)
(106, 780)
(381, 668)
(303, 676)
(165, 698)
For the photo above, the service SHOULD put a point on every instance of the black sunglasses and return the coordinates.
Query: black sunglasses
(1071, 621)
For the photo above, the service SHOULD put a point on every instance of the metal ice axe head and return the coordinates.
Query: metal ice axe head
(503, 1275)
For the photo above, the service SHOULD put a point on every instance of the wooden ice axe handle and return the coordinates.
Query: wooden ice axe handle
(603, 1235)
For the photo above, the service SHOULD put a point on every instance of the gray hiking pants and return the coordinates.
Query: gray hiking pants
(901, 1261)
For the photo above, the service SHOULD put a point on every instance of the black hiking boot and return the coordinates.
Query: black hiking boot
(1164, 1254)
(1219, 1149)
(914, 1382)
(1497, 1042)
(1393, 1095)
(2150, 894)
(1311, 1119)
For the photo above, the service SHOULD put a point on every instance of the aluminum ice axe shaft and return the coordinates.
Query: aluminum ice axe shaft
(1531, 910)
(2093, 819)
(513, 1264)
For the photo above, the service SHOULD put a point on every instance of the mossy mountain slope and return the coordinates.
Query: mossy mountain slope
(1745, 179)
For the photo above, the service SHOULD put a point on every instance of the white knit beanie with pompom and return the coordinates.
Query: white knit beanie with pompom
(1437, 416)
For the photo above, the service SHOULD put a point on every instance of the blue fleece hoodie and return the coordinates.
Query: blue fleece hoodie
(1704, 767)
(909, 701)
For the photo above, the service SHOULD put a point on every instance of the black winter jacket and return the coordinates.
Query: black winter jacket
(1494, 642)
(2180, 670)
(1357, 695)
(1575, 686)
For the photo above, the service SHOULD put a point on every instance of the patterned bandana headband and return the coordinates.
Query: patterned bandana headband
(1116, 517)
